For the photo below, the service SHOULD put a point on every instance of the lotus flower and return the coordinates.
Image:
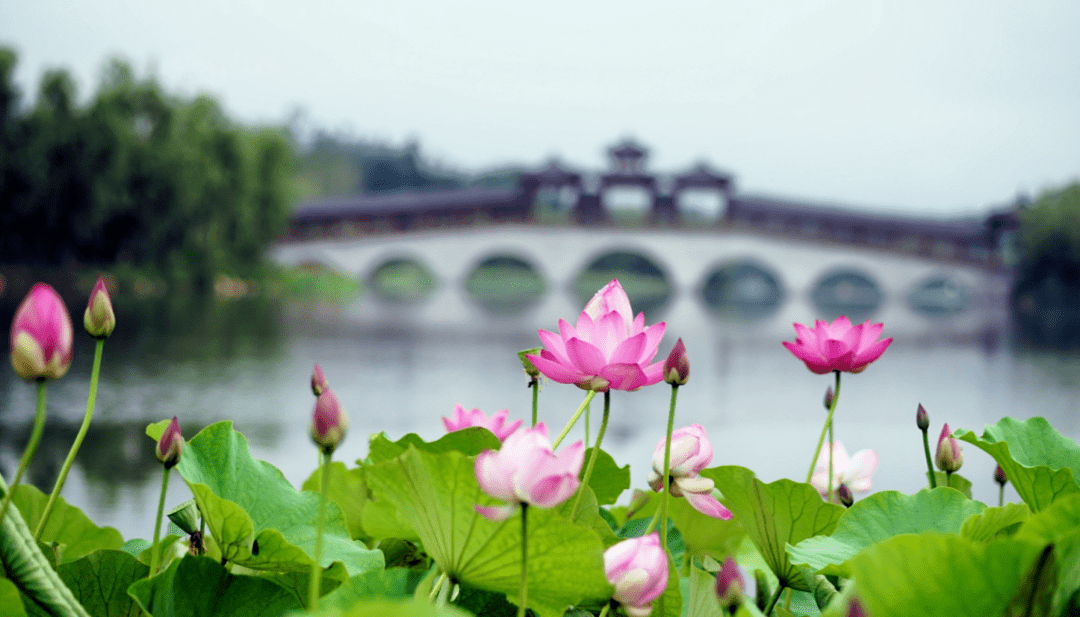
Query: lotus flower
(949, 456)
(99, 318)
(328, 421)
(730, 586)
(318, 381)
(690, 453)
(170, 445)
(41, 335)
(526, 470)
(638, 568)
(608, 348)
(855, 471)
(838, 346)
(677, 365)
(474, 417)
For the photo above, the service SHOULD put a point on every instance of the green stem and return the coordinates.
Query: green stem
(948, 479)
(772, 601)
(824, 429)
(90, 400)
(929, 462)
(573, 420)
(524, 561)
(1001, 495)
(593, 456)
(535, 384)
(316, 568)
(154, 549)
(604, 611)
(31, 447)
(436, 587)
(831, 448)
(588, 423)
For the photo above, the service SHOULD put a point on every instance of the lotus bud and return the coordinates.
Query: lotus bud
(855, 609)
(999, 476)
(170, 446)
(186, 517)
(99, 318)
(638, 569)
(530, 368)
(922, 419)
(41, 335)
(845, 496)
(949, 456)
(677, 365)
(328, 422)
(318, 381)
(829, 396)
(730, 587)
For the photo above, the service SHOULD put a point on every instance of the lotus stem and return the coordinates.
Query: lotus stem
(831, 442)
(436, 587)
(535, 385)
(90, 401)
(316, 568)
(824, 429)
(155, 550)
(31, 447)
(775, 597)
(593, 456)
(573, 420)
(523, 607)
(929, 461)
(660, 518)
(1001, 495)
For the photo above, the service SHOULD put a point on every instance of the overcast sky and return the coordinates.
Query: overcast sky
(915, 105)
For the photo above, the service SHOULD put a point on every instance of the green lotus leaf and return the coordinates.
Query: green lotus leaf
(348, 491)
(299, 582)
(199, 586)
(701, 595)
(256, 516)
(100, 582)
(775, 515)
(955, 481)
(1041, 463)
(993, 521)
(1060, 524)
(704, 535)
(881, 516)
(438, 492)
(76, 534)
(10, 599)
(392, 583)
(469, 441)
(608, 480)
(387, 607)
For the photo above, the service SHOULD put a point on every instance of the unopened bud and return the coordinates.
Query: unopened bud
(530, 368)
(949, 456)
(845, 496)
(328, 422)
(677, 365)
(829, 396)
(730, 587)
(922, 419)
(99, 318)
(318, 381)
(41, 335)
(999, 475)
(171, 445)
(855, 609)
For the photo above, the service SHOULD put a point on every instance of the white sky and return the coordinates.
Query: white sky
(916, 105)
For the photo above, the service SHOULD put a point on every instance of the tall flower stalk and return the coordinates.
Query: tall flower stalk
(922, 420)
(593, 456)
(168, 450)
(821, 440)
(534, 379)
(328, 425)
(99, 320)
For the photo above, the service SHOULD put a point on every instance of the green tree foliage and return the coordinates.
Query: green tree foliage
(137, 176)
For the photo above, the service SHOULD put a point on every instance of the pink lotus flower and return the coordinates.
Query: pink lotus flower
(690, 453)
(609, 347)
(318, 381)
(328, 422)
(638, 568)
(526, 470)
(677, 365)
(838, 346)
(474, 417)
(949, 456)
(730, 586)
(855, 471)
(99, 320)
(41, 335)
(170, 445)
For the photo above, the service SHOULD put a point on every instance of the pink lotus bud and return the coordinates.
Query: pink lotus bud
(829, 396)
(99, 318)
(525, 470)
(855, 609)
(999, 475)
(638, 568)
(677, 365)
(41, 335)
(171, 445)
(328, 422)
(949, 456)
(474, 417)
(730, 587)
(844, 495)
(838, 346)
(318, 381)
(922, 419)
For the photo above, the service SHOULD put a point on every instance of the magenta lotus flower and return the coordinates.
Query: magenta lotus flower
(609, 347)
(838, 346)
(638, 569)
(853, 471)
(730, 586)
(318, 381)
(474, 417)
(41, 335)
(328, 421)
(949, 456)
(690, 453)
(99, 320)
(526, 470)
(677, 365)
(170, 445)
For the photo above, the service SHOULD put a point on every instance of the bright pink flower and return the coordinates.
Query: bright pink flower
(525, 470)
(328, 421)
(609, 347)
(170, 445)
(474, 417)
(638, 568)
(949, 456)
(730, 586)
(41, 335)
(838, 346)
(855, 471)
(677, 365)
(318, 381)
(690, 453)
(99, 318)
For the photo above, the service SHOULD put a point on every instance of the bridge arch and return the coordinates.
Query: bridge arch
(401, 277)
(847, 290)
(742, 288)
(504, 282)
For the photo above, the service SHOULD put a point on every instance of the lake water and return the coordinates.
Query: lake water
(400, 370)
